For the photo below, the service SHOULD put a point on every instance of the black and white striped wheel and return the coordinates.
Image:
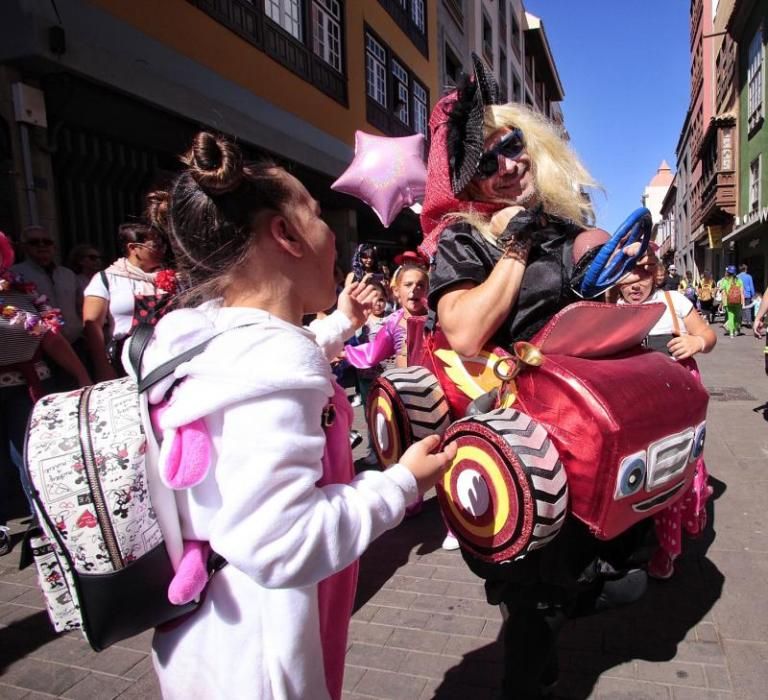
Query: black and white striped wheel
(404, 405)
(506, 492)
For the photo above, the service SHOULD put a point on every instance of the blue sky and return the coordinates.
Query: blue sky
(624, 66)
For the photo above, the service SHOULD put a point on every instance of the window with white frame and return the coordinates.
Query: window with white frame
(417, 13)
(286, 13)
(420, 108)
(755, 79)
(402, 94)
(326, 24)
(487, 39)
(754, 184)
(376, 70)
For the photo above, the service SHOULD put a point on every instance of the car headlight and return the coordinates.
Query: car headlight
(631, 476)
(698, 442)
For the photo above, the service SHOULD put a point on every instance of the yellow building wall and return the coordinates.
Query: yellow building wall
(192, 33)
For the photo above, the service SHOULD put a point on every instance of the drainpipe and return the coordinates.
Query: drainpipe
(29, 178)
(29, 110)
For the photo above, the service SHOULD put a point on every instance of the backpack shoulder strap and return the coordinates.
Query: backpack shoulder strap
(671, 307)
(167, 368)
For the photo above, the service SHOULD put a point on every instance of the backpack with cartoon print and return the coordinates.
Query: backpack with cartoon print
(99, 547)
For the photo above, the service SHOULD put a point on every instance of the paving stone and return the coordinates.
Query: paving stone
(418, 640)
(14, 614)
(9, 692)
(456, 606)
(116, 660)
(11, 591)
(704, 652)
(706, 632)
(748, 665)
(417, 585)
(459, 645)
(146, 688)
(97, 686)
(141, 642)
(417, 570)
(401, 618)
(393, 599)
(369, 632)
(365, 613)
(473, 591)
(390, 686)
(375, 656)
(39, 675)
(433, 666)
(680, 693)
(621, 689)
(718, 677)
(455, 624)
(140, 669)
(32, 597)
(352, 674)
(445, 573)
(672, 673)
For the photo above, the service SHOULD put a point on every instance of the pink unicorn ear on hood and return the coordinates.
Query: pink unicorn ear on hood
(185, 452)
(185, 455)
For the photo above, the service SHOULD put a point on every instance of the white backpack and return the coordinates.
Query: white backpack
(108, 529)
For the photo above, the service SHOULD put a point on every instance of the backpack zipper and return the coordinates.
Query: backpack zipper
(91, 472)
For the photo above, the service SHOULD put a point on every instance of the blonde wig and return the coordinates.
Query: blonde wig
(560, 179)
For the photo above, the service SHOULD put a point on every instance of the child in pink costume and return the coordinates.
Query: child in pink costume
(690, 335)
(410, 285)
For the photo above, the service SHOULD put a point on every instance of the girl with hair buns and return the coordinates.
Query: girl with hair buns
(280, 502)
(132, 289)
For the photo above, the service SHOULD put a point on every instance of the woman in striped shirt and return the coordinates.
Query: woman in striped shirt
(28, 329)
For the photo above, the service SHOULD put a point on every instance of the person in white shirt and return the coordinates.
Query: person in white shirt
(280, 503)
(57, 282)
(110, 297)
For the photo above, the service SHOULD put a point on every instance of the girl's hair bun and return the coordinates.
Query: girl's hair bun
(158, 202)
(215, 163)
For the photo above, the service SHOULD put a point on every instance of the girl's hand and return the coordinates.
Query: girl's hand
(685, 346)
(426, 465)
(758, 328)
(355, 302)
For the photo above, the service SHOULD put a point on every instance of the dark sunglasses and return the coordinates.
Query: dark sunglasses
(510, 146)
(39, 242)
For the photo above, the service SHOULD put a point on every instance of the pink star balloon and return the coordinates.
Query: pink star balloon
(386, 173)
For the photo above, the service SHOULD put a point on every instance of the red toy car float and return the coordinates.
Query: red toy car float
(583, 418)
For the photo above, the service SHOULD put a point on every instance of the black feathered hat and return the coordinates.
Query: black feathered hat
(465, 123)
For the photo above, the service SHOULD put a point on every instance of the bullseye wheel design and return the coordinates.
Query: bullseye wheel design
(506, 492)
(404, 405)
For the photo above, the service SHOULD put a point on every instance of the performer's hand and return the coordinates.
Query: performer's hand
(684, 346)
(355, 302)
(502, 217)
(758, 328)
(426, 465)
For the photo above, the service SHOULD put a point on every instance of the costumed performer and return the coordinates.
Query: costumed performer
(280, 502)
(503, 211)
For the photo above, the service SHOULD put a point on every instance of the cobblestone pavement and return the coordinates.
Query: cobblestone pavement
(422, 629)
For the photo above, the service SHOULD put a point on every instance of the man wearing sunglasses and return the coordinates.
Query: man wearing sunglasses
(57, 282)
(503, 216)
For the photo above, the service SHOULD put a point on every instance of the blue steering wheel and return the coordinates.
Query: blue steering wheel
(611, 263)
